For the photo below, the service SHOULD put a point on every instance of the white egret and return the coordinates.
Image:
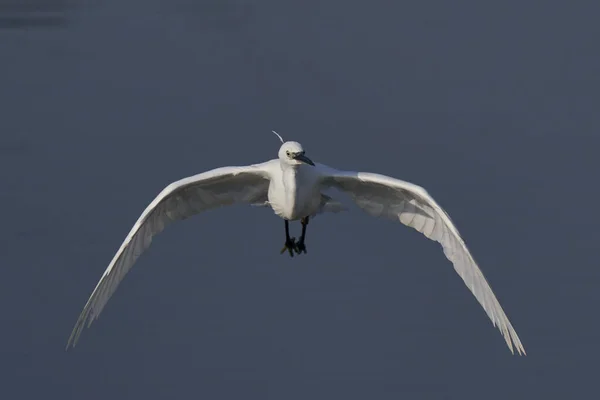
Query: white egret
(292, 185)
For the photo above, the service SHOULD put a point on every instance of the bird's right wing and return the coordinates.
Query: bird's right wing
(178, 201)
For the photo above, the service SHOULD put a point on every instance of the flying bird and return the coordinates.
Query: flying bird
(292, 185)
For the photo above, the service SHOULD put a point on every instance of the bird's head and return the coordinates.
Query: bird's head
(292, 153)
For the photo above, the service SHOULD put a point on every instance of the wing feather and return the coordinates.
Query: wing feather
(179, 200)
(383, 196)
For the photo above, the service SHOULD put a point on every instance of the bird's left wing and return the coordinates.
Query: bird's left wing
(178, 201)
(383, 196)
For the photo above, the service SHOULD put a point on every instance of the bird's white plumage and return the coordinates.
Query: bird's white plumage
(292, 186)
(382, 196)
(178, 201)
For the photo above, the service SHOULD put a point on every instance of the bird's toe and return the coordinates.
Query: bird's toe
(300, 247)
(289, 246)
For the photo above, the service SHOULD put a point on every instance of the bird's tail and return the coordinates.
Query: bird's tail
(330, 205)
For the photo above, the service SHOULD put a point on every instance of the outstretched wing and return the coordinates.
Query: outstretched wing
(178, 201)
(381, 195)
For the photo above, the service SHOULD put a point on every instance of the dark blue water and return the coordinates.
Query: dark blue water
(493, 109)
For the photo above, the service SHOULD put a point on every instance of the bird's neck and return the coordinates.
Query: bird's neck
(289, 175)
(289, 168)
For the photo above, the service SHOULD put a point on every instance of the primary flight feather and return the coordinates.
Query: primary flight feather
(292, 185)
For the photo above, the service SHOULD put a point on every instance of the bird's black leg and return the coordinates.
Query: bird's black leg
(300, 246)
(290, 243)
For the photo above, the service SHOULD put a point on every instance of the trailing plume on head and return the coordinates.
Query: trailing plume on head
(279, 136)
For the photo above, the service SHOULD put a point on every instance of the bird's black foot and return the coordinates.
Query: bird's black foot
(290, 245)
(300, 246)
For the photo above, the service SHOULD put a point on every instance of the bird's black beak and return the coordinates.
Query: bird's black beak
(304, 159)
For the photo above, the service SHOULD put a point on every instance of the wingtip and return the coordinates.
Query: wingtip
(75, 333)
(514, 343)
(70, 342)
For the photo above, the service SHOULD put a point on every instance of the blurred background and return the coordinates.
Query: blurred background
(491, 108)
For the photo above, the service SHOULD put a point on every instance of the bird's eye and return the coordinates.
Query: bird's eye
(287, 152)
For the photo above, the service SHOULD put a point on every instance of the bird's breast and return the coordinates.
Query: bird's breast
(295, 195)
